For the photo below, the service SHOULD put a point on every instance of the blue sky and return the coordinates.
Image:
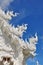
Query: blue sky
(31, 13)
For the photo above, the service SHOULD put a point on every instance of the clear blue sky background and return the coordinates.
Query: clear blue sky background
(31, 13)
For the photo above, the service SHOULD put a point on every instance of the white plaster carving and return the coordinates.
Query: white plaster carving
(11, 42)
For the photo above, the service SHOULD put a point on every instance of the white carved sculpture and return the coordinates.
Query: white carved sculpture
(13, 49)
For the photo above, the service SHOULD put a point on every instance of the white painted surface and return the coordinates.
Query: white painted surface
(11, 45)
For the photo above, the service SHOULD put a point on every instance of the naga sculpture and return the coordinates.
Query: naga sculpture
(13, 49)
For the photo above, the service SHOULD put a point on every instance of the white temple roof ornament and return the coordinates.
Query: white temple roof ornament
(11, 42)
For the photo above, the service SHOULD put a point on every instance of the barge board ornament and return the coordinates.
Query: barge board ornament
(13, 49)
